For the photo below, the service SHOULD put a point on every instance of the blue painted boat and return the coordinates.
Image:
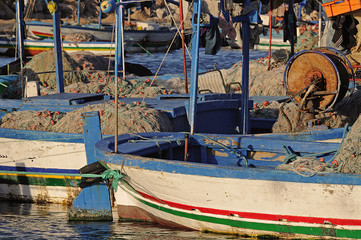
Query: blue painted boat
(42, 167)
(247, 185)
(152, 37)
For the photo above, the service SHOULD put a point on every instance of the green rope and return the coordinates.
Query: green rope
(113, 176)
(148, 53)
(290, 156)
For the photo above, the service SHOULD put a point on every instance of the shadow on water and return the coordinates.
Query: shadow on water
(34, 221)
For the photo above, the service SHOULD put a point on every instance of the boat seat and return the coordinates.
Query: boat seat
(213, 82)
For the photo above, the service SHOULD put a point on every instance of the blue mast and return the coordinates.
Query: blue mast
(78, 13)
(54, 10)
(20, 28)
(194, 64)
(245, 73)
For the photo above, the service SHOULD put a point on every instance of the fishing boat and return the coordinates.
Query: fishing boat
(32, 47)
(42, 166)
(247, 185)
(277, 42)
(143, 35)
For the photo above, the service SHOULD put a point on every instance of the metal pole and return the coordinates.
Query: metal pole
(118, 64)
(78, 15)
(20, 38)
(319, 24)
(58, 50)
(291, 23)
(195, 60)
(100, 16)
(183, 45)
(245, 73)
(270, 36)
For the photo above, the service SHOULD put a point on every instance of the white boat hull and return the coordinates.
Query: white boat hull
(40, 171)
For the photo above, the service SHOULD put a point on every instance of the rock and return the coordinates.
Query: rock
(160, 3)
(161, 13)
(141, 16)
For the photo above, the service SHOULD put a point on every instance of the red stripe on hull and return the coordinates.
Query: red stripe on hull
(257, 216)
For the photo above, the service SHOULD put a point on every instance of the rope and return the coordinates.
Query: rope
(292, 157)
(176, 26)
(156, 74)
(231, 150)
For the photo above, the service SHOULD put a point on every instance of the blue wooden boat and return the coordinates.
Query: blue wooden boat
(153, 38)
(42, 167)
(248, 185)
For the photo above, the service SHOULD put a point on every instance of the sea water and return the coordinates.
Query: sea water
(173, 61)
(33, 221)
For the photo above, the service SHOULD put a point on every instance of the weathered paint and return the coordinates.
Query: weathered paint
(214, 204)
(231, 199)
(92, 203)
(38, 170)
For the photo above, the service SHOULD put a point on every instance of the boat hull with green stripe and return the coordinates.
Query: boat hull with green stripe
(231, 184)
(40, 167)
(32, 47)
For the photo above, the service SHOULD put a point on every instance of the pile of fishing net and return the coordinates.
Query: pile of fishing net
(262, 82)
(266, 109)
(100, 82)
(291, 119)
(45, 62)
(84, 74)
(308, 166)
(346, 160)
(41, 68)
(308, 38)
(79, 37)
(90, 61)
(132, 118)
(31, 120)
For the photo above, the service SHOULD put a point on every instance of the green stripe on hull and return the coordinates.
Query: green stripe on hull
(273, 45)
(278, 228)
(39, 181)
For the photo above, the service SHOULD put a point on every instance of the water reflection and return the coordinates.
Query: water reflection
(31, 221)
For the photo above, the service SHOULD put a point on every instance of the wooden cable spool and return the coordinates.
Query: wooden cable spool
(321, 75)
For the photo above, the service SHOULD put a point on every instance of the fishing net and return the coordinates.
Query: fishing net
(308, 39)
(290, 119)
(268, 83)
(266, 109)
(307, 166)
(133, 118)
(261, 81)
(90, 61)
(31, 120)
(45, 62)
(348, 159)
(42, 69)
(79, 37)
